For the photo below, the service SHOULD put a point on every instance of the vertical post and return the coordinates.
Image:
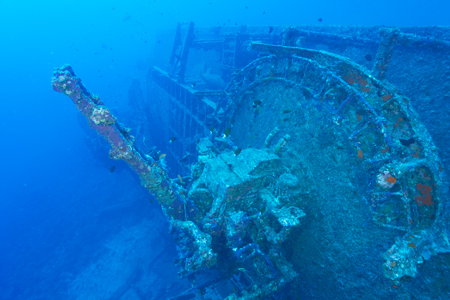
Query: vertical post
(176, 44)
(384, 53)
(185, 53)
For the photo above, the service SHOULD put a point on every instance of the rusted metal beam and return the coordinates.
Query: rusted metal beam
(176, 44)
(391, 37)
(331, 38)
(152, 175)
(215, 44)
(417, 41)
(185, 52)
(388, 40)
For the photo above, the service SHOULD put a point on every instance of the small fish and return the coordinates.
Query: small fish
(286, 111)
(320, 19)
(193, 85)
(368, 57)
(286, 119)
(256, 111)
(226, 132)
(334, 158)
(172, 139)
(211, 129)
(111, 170)
(181, 180)
(256, 103)
(237, 151)
(407, 143)
(263, 209)
(232, 122)
(162, 156)
(270, 29)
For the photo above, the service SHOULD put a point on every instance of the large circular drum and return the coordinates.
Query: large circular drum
(371, 183)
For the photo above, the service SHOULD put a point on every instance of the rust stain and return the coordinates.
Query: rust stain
(412, 245)
(385, 150)
(426, 197)
(386, 97)
(364, 84)
(391, 179)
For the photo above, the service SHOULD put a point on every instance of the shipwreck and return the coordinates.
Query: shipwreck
(309, 161)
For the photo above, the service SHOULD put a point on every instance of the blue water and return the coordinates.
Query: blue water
(58, 206)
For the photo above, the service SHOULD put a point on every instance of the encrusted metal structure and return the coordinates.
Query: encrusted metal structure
(310, 177)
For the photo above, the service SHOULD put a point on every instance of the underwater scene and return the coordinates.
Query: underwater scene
(238, 150)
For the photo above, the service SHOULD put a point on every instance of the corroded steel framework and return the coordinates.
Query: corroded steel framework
(404, 185)
(408, 191)
(314, 175)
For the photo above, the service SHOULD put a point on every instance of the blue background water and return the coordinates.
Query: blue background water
(53, 194)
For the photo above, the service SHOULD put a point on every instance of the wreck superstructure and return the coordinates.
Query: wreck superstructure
(310, 174)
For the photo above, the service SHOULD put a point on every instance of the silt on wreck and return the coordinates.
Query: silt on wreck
(311, 162)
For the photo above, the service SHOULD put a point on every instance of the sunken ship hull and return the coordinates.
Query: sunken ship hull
(311, 161)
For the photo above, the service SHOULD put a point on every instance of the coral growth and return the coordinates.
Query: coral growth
(102, 116)
(386, 180)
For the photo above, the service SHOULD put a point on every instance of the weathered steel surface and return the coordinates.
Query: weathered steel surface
(301, 134)
(366, 136)
(367, 171)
